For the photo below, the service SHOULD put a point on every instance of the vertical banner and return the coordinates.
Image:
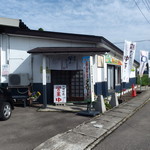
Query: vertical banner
(149, 65)
(128, 59)
(88, 78)
(143, 61)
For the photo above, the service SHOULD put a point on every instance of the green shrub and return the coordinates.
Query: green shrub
(144, 80)
(108, 106)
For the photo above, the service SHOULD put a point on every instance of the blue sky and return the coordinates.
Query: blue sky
(116, 20)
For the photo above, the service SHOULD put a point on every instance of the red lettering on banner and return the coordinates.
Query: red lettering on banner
(58, 93)
(58, 90)
(58, 99)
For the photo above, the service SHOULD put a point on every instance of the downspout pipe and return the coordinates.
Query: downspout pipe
(8, 49)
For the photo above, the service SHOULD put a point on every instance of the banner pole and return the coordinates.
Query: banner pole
(140, 83)
(121, 89)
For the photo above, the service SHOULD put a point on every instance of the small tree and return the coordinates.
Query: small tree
(41, 29)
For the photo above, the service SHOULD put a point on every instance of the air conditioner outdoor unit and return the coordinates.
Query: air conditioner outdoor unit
(18, 79)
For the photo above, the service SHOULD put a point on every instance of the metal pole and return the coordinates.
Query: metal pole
(44, 82)
(121, 89)
(140, 83)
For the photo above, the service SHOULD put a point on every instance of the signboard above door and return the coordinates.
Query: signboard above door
(112, 60)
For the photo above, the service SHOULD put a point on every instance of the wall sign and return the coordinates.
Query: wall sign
(5, 69)
(100, 61)
(59, 94)
(112, 60)
(65, 62)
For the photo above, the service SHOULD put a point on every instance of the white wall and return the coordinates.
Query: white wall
(100, 74)
(14, 53)
(37, 70)
(4, 54)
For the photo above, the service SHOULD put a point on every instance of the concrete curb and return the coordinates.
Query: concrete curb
(92, 145)
(88, 134)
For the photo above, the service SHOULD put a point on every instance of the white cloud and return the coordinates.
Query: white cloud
(116, 20)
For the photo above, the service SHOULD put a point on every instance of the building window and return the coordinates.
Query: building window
(111, 77)
(117, 75)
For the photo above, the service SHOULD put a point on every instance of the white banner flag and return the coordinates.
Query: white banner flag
(128, 59)
(143, 61)
(149, 68)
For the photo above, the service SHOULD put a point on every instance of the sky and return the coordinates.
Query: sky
(116, 20)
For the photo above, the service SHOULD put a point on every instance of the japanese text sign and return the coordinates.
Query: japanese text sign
(59, 94)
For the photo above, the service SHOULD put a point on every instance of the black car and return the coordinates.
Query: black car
(6, 104)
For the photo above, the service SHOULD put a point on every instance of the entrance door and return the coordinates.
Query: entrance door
(74, 82)
(111, 79)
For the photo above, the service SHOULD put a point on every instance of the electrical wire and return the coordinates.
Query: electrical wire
(134, 41)
(148, 4)
(147, 7)
(141, 11)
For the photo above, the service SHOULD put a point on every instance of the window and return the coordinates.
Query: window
(110, 78)
(117, 75)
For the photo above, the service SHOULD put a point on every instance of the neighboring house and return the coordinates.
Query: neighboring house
(88, 65)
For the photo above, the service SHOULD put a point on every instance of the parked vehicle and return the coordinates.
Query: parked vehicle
(6, 104)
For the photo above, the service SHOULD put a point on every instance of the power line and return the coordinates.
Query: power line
(146, 5)
(141, 12)
(134, 41)
(147, 2)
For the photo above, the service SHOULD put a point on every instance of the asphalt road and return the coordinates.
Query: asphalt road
(134, 134)
(28, 128)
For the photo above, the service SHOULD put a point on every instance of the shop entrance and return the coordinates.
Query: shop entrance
(74, 82)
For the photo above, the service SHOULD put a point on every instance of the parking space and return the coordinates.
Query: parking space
(27, 128)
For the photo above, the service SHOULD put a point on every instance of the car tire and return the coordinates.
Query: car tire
(5, 111)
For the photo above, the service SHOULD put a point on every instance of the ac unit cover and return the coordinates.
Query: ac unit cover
(18, 80)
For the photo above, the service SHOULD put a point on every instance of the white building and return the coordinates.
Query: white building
(88, 65)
